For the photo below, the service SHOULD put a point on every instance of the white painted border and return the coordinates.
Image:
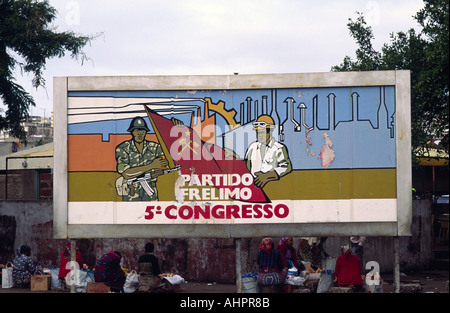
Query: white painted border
(403, 145)
(301, 211)
(218, 82)
(60, 191)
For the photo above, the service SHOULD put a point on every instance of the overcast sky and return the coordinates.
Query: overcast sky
(196, 37)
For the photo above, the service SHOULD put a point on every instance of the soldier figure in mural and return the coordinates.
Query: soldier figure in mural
(267, 159)
(139, 162)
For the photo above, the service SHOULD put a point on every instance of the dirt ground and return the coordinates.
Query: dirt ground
(433, 281)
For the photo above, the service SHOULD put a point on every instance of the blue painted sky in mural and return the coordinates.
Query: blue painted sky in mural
(357, 123)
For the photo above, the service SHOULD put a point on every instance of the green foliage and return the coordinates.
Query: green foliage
(27, 40)
(426, 55)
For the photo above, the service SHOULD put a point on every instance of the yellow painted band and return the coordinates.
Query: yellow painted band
(297, 185)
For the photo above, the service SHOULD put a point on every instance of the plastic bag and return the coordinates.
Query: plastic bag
(174, 279)
(325, 282)
(55, 283)
(329, 264)
(295, 281)
(131, 283)
(7, 279)
(83, 276)
(292, 272)
(326, 276)
(249, 282)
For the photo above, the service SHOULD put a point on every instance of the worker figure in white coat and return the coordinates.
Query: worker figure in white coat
(267, 159)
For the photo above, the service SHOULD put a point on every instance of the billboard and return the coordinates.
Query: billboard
(233, 156)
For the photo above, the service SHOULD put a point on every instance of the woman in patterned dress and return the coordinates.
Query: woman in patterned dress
(23, 268)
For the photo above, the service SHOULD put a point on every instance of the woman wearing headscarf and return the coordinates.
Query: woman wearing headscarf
(348, 269)
(270, 264)
(287, 252)
(23, 268)
(149, 270)
(311, 249)
(64, 268)
(109, 271)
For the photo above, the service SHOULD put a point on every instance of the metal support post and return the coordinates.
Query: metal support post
(396, 265)
(73, 261)
(238, 266)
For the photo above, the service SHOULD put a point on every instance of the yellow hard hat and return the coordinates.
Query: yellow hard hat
(263, 122)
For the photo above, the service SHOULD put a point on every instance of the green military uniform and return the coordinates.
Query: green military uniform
(127, 155)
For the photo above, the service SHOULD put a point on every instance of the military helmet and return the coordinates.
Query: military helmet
(138, 123)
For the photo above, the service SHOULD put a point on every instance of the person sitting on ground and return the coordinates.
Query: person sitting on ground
(109, 271)
(357, 244)
(287, 252)
(347, 272)
(23, 268)
(148, 262)
(271, 271)
(149, 270)
(311, 250)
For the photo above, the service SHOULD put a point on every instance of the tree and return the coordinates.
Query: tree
(426, 55)
(27, 40)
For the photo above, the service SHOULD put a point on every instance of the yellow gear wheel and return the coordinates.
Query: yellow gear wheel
(228, 115)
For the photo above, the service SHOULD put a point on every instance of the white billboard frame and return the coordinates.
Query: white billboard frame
(400, 227)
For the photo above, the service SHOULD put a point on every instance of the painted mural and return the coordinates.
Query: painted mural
(232, 156)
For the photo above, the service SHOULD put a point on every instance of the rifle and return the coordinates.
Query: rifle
(142, 179)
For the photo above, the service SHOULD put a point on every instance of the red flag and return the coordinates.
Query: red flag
(182, 146)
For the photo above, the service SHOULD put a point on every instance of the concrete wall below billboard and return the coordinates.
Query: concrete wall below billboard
(196, 259)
